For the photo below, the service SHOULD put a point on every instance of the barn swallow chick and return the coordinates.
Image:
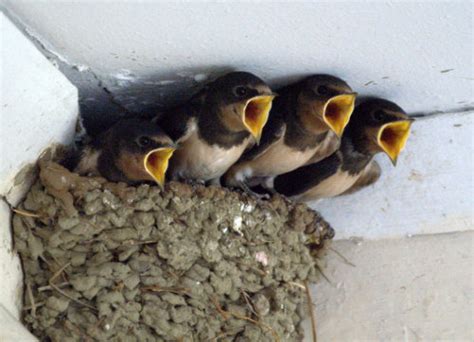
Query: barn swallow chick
(131, 151)
(306, 121)
(215, 127)
(377, 125)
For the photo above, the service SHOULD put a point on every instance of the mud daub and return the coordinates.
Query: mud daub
(108, 261)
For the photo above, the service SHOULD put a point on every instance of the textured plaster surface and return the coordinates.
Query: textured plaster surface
(412, 289)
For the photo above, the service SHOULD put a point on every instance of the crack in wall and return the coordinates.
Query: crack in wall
(456, 110)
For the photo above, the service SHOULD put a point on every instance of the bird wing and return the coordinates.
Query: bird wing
(367, 177)
(84, 159)
(306, 177)
(273, 131)
(328, 146)
(178, 122)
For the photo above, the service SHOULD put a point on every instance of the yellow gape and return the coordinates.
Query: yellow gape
(392, 138)
(156, 163)
(338, 111)
(255, 114)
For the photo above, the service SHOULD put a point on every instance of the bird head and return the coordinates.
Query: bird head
(244, 102)
(326, 100)
(143, 151)
(384, 126)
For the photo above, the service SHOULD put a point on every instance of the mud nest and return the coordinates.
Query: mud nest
(109, 261)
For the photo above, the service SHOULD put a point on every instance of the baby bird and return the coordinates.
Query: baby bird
(131, 151)
(215, 127)
(377, 125)
(306, 121)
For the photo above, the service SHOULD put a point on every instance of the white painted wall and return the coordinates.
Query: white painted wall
(411, 290)
(416, 53)
(429, 191)
(30, 120)
(38, 107)
(12, 330)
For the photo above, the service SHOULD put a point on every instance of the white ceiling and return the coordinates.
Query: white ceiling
(418, 54)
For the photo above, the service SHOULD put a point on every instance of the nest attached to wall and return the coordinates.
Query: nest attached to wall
(109, 261)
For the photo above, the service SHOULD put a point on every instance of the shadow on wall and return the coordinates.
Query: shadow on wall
(104, 99)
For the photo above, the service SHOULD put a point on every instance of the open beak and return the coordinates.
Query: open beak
(338, 111)
(392, 138)
(255, 114)
(156, 163)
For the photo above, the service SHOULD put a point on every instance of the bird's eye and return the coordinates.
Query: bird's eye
(323, 90)
(144, 141)
(240, 91)
(378, 115)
